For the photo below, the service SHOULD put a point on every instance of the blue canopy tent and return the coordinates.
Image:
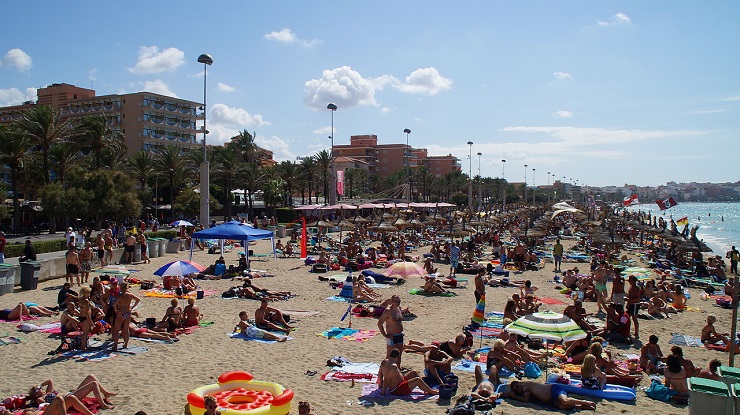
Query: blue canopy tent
(236, 231)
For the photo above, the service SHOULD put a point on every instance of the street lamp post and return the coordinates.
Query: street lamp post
(525, 184)
(503, 177)
(548, 185)
(470, 175)
(480, 199)
(407, 166)
(533, 185)
(205, 214)
(333, 186)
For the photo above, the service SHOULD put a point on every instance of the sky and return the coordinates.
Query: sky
(603, 92)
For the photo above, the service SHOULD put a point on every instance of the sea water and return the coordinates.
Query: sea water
(719, 223)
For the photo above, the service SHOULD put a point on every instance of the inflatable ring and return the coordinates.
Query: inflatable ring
(237, 393)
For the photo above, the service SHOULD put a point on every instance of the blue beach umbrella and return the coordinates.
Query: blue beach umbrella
(178, 223)
(180, 268)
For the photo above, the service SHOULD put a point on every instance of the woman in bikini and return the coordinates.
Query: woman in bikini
(710, 336)
(123, 307)
(172, 317)
(578, 349)
(84, 314)
(191, 314)
(496, 357)
(675, 378)
(591, 376)
(607, 366)
(145, 333)
(45, 393)
(650, 355)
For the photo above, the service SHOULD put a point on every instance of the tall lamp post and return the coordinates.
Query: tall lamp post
(480, 199)
(549, 191)
(470, 175)
(333, 186)
(406, 166)
(503, 177)
(205, 214)
(525, 184)
(533, 185)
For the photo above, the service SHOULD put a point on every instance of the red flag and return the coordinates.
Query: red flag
(683, 221)
(631, 200)
(666, 203)
(340, 182)
(304, 247)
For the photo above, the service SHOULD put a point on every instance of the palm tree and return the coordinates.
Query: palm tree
(289, 174)
(352, 176)
(425, 177)
(244, 145)
(308, 174)
(227, 168)
(141, 166)
(274, 194)
(323, 161)
(44, 128)
(63, 156)
(95, 134)
(13, 148)
(252, 177)
(172, 164)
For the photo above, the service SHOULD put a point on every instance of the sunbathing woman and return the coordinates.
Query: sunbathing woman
(361, 292)
(607, 366)
(23, 310)
(497, 357)
(431, 286)
(657, 307)
(591, 376)
(376, 311)
(45, 392)
(58, 406)
(172, 317)
(710, 336)
(514, 350)
(146, 333)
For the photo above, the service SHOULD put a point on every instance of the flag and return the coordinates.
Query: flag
(666, 203)
(683, 221)
(304, 237)
(340, 182)
(631, 200)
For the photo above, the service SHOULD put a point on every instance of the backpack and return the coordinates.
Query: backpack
(462, 409)
(230, 293)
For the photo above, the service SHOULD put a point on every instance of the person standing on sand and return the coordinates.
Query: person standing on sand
(454, 258)
(557, 254)
(123, 308)
(734, 256)
(73, 265)
(634, 296)
(480, 285)
(390, 325)
(618, 289)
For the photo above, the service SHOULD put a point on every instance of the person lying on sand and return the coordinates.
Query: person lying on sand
(369, 310)
(146, 333)
(549, 394)
(24, 310)
(45, 392)
(244, 326)
(485, 389)
(255, 293)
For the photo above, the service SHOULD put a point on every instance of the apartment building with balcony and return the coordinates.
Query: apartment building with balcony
(147, 120)
(385, 159)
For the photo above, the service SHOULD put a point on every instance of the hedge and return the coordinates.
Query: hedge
(41, 247)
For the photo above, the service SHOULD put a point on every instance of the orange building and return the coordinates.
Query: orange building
(146, 120)
(385, 159)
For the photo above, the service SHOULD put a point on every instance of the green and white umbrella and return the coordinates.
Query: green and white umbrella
(546, 325)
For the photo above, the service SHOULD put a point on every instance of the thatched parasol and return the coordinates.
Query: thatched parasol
(385, 227)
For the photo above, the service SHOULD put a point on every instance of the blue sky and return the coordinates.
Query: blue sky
(604, 92)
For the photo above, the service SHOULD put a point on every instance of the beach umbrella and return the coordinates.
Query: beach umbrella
(405, 269)
(178, 223)
(180, 268)
(546, 325)
(479, 314)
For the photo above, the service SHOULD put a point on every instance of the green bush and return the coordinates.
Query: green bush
(168, 234)
(41, 247)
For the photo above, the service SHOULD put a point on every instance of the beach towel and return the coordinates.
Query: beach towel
(359, 372)
(494, 319)
(51, 328)
(340, 299)
(486, 332)
(359, 335)
(23, 318)
(244, 336)
(301, 313)
(162, 293)
(372, 391)
(6, 339)
(684, 340)
(467, 365)
(419, 291)
(551, 301)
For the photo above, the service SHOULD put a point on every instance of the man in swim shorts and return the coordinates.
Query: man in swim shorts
(547, 393)
(390, 325)
(557, 254)
(73, 265)
(454, 258)
(634, 295)
(392, 381)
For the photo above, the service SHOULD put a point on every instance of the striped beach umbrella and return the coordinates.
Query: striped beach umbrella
(479, 314)
(546, 325)
(180, 268)
(405, 269)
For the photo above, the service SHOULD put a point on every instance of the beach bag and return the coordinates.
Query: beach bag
(230, 293)
(724, 302)
(659, 392)
(532, 371)
(466, 409)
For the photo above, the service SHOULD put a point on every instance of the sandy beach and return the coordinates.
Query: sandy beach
(158, 380)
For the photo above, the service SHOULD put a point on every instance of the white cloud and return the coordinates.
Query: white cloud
(617, 19)
(343, 86)
(287, 36)
(385, 110)
(426, 81)
(709, 111)
(158, 87)
(219, 134)
(234, 117)
(278, 146)
(324, 130)
(598, 136)
(562, 114)
(17, 59)
(151, 60)
(731, 99)
(92, 74)
(562, 75)
(14, 96)
(225, 88)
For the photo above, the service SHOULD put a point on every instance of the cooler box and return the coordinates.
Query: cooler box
(709, 397)
(730, 375)
(30, 274)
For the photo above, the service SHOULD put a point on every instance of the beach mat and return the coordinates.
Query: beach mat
(7, 339)
(467, 365)
(486, 332)
(372, 391)
(419, 291)
(301, 313)
(162, 293)
(339, 299)
(359, 372)
(684, 340)
(244, 336)
(494, 319)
